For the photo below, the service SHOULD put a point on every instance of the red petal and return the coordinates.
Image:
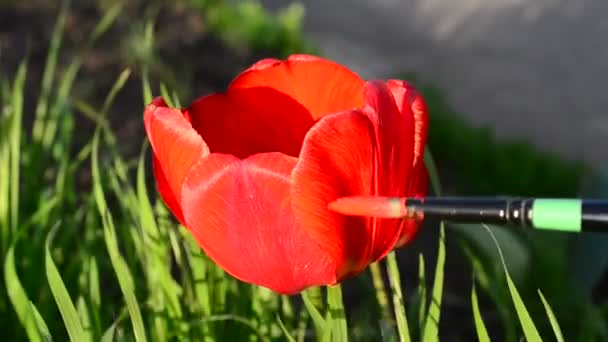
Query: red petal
(239, 212)
(176, 148)
(263, 64)
(345, 155)
(410, 103)
(321, 86)
(395, 136)
(244, 122)
(271, 106)
(165, 191)
(336, 161)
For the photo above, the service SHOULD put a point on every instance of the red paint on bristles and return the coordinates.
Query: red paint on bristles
(372, 206)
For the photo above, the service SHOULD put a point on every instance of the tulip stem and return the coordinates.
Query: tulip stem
(337, 316)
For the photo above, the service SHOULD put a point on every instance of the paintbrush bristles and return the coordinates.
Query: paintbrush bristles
(371, 206)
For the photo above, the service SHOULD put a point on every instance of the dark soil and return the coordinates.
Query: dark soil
(191, 59)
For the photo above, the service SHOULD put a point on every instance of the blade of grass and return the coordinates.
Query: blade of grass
(48, 74)
(5, 165)
(62, 146)
(60, 104)
(43, 329)
(176, 100)
(559, 337)
(85, 317)
(5, 224)
(145, 84)
(166, 95)
(480, 327)
(286, 333)
(100, 117)
(145, 208)
(116, 87)
(525, 320)
(107, 103)
(395, 280)
(94, 293)
(153, 241)
(106, 21)
(174, 238)
(60, 293)
(234, 318)
(18, 297)
(15, 142)
(100, 199)
(431, 166)
(69, 76)
(315, 315)
(266, 307)
(431, 324)
(200, 277)
(149, 45)
(125, 279)
(386, 320)
(157, 270)
(108, 335)
(422, 302)
(41, 214)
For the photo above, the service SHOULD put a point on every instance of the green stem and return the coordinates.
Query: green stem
(337, 316)
(395, 281)
(316, 296)
(380, 288)
(386, 320)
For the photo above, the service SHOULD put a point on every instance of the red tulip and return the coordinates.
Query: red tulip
(251, 171)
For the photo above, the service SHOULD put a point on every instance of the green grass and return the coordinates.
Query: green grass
(480, 327)
(130, 288)
(246, 24)
(104, 260)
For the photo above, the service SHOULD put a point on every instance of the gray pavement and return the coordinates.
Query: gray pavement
(531, 69)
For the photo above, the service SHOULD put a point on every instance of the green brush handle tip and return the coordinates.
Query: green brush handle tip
(557, 214)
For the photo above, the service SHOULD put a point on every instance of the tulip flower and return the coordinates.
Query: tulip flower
(250, 172)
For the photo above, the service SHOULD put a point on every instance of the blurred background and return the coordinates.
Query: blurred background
(514, 88)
